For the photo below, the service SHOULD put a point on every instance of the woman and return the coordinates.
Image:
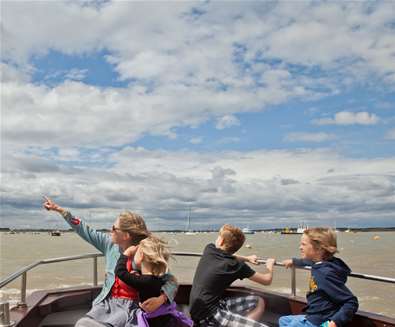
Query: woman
(117, 303)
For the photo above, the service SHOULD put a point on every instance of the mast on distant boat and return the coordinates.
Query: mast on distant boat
(189, 230)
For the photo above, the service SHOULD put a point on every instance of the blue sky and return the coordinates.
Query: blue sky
(259, 114)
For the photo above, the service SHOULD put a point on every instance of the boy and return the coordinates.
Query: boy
(217, 269)
(329, 302)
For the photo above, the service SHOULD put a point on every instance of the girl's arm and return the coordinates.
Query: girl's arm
(132, 279)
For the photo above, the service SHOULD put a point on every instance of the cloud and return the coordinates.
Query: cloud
(178, 71)
(266, 188)
(181, 69)
(227, 121)
(76, 74)
(309, 137)
(349, 118)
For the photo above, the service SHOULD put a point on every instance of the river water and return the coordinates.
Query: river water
(365, 252)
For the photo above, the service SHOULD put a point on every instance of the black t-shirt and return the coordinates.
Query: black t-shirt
(215, 272)
(147, 285)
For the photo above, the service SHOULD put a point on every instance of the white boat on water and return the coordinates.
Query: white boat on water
(246, 230)
(300, 230)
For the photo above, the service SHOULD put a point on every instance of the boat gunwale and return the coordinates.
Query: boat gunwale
(44, 302)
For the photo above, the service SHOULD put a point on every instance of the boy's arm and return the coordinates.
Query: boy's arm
(264, 278)
(250, 258)
(340, 294)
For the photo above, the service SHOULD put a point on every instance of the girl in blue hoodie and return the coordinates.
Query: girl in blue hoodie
(329, 302)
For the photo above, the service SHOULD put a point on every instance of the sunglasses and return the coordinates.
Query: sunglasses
(114, 229)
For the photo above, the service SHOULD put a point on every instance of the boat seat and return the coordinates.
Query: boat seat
(66, 318)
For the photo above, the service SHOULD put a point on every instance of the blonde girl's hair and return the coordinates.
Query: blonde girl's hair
(323, 239)
(156, 254)
(134, 225)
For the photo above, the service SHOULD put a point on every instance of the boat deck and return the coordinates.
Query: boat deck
(62, 308)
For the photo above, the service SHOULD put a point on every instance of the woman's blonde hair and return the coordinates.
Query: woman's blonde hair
(323, 239)
(134, 225)
(156, 253)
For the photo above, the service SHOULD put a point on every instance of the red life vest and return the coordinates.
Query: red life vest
(122, 290)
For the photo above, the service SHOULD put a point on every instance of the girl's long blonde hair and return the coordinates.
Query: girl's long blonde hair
(156, 254)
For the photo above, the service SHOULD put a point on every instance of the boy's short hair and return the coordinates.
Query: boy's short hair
(323, 239)
(233, 238)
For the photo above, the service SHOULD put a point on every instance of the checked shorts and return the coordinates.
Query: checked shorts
(230, 313)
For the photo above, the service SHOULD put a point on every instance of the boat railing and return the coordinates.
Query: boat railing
(23, 272)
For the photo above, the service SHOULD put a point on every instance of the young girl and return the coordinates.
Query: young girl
(117, 304)
(152, 256)
(329, 302)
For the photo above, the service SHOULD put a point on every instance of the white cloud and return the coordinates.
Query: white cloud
(227, 121)
(349, 118)
(185, 71)
(309, 137)
(76, 74)
(277, 187)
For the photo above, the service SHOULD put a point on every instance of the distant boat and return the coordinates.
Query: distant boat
(189, 231)
(246, 230)
(300, 230)
(56, 233)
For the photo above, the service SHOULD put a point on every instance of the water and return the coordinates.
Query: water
(362, 252)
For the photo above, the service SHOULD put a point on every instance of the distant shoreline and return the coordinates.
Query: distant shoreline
(274, 230)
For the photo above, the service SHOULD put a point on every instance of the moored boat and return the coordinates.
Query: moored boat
(247, 231)
(63, 307)
(300, 230)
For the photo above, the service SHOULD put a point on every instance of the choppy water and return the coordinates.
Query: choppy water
(363, 252)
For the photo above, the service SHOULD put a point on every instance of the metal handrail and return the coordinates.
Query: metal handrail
(23, 271)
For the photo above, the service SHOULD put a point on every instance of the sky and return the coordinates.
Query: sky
(259, 114)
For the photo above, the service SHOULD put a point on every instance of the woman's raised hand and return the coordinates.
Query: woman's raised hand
(50, 205)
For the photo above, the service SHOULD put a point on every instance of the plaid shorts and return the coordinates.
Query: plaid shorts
(230, 313)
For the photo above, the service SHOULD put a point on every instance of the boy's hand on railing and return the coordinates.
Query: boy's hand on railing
(270, 263)
(287, 263)
(252, 259)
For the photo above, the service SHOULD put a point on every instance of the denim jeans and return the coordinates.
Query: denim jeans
(295, 321)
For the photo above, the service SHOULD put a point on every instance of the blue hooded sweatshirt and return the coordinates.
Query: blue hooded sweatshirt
(328, 297)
